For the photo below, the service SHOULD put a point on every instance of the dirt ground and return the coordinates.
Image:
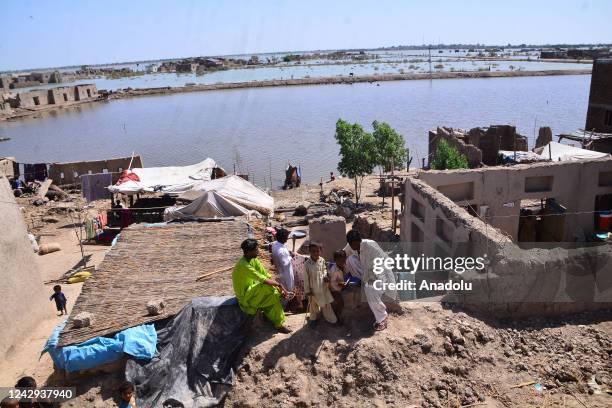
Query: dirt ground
(429, 357)
(312, 193)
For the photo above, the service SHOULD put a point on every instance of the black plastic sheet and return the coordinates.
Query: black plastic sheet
(197, 350)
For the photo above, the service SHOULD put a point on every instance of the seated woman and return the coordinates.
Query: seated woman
(255, 289)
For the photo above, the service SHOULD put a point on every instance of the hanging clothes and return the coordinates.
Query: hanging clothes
(94, 186)
(90, 229)
(103, 219)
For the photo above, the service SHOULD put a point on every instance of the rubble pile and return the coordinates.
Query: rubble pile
(431, 357)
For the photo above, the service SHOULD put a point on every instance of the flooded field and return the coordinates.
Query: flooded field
(262, 129)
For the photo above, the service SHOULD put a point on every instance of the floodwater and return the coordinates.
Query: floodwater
(261, 129)
(317, 69)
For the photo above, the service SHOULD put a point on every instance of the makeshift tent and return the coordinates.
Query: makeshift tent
(139, 342)
(164, 179)
(197, 350)
(208, 205)
(562, 152)
(238, 190)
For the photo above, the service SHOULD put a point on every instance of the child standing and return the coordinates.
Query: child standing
(126, 390)
(336, 281)
(60, 300)
(316, 286)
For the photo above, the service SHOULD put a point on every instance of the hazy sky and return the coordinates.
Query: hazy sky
(41, 33)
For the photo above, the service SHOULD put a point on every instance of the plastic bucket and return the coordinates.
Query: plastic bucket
(605, 220)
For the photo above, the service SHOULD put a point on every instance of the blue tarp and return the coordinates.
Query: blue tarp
(139, 342)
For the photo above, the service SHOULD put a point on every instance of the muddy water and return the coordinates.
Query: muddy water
(261, 129)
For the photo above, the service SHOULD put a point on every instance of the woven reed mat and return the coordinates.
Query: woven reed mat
(160, 263)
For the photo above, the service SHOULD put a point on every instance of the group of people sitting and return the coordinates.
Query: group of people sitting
(256, 290)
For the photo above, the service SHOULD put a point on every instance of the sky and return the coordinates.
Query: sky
(44, 33)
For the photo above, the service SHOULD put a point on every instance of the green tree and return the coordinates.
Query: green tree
(447, 158)
(389, 147)
(357, 155)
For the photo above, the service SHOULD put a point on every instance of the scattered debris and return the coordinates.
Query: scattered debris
(155, 307)
(83, 319)
(45, 249)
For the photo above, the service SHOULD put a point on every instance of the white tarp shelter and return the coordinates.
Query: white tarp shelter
(238, 190)
(208, 205)
(173, 179)
(562, 152)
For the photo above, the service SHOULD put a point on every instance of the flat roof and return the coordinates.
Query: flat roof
(160, 262)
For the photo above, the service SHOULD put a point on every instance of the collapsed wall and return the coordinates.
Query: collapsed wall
(479, 145)
(375, 225)
(516, 282)
(25, 301)
(456, 140)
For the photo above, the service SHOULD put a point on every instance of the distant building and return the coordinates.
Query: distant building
(54, 96)
(5, 83)
(31, 99)
(577, 53)
(5, 107)
(599, 114)
(23, 81)
(553, 54)
(211, 62)
(85, 92)
(61, 95)
(186, 67)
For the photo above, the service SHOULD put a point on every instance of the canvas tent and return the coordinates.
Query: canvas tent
(173, 179)
(208, 205)
(562, 152)
(238, 190)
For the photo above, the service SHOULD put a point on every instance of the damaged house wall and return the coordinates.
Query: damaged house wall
(68, 173)
(456, 140)
(496, 192)
(599, 113)
(479, 145)
(25, 300)
(54, 96)
(516, 282)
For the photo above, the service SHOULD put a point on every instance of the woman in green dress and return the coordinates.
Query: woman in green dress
(255, 289)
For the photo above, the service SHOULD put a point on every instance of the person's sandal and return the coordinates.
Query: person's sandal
(380, 326)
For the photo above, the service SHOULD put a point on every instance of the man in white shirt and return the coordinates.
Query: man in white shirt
(360, 262)
(281, 258)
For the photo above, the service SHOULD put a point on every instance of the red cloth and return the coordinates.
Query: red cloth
(125, 176)
(103, 219)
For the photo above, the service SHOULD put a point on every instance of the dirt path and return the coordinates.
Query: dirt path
(24, 359)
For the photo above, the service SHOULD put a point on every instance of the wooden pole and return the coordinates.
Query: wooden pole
(206, 275)
(79, 238)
